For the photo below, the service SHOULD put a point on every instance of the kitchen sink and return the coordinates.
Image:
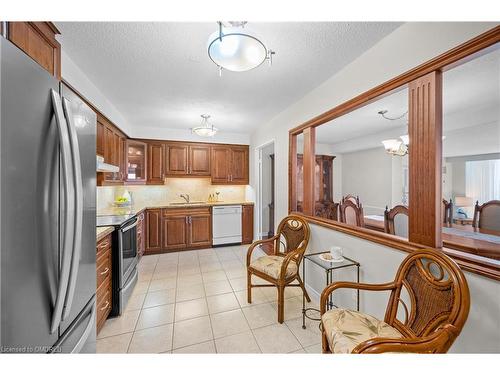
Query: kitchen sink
(186, 203)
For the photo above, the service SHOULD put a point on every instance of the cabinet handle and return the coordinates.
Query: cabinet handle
(190, 220)
(105, 306)
(106, 270)
(187, 220)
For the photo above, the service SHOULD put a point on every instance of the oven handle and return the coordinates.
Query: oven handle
(128, 227)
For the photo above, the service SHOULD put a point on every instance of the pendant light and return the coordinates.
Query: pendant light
(205, 130)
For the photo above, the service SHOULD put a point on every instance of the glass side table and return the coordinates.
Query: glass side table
(328, 267)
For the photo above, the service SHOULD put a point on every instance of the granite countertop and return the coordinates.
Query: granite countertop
(138, 208)
(103, 232)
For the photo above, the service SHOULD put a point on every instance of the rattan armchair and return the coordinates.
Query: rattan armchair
(282, 268)
(434, 295)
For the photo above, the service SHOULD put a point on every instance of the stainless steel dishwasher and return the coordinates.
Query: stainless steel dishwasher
(226, 225)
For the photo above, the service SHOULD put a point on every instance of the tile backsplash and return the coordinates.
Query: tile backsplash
(149, 195)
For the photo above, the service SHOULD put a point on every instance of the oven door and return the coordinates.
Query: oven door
(127, 242)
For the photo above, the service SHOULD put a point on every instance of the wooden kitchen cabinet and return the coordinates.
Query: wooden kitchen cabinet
(153, 231)
(247, 224)
(187, 228)
(155, 158)
(187, 159)
(111, 144)
(200, 229)
(103, 281)
(100, 135)
(38, 41)
(229, 165)
(175, 230)
(135, 161)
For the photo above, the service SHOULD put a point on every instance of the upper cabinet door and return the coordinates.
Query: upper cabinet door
(220, 164)
(38, 41)
(199, 160)
(100, 138)
(239, 165)
(177, 159)
(135, 165)
(156, 157)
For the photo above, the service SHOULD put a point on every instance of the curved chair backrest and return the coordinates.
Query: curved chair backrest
(293, 233)
(436, 294)
(447, 211)
(327, 210)
(352, 198)
(487, 215)
(351, 213)
(396, 221)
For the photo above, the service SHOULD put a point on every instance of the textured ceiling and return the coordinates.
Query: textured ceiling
(159, 74)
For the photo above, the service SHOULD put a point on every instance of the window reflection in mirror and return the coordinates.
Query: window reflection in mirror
(299, 182)
(361, 175)
(471, 154)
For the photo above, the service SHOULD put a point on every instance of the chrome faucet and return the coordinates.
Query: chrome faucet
(185, 197)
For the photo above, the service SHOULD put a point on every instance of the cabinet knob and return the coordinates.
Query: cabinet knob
(106, 270)
(105, 306)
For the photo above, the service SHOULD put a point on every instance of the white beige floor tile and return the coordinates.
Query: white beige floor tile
(217, 287)
(257, 297)
(213, 276)
(276, 339)
(114, 344)
(122, 324)
(237, 272)
(293, 307)
(192, 331)
(228, 323)
(135, 302)
(156, 316)
(162, 284)
(260, 315)
(190, 309)
(141, 287)
(238, 284)
(209, 267)
(240, 343)
(160, 297)
(231, 264)
(300, 351)
(222, 302)
(207, 347)
(307, 337)
(186, 280)
(188, 269)
(314, 349)
(157, 275)
(145, 276)
(152, 340)
(149, 259)
(188, 292)
(146, 267)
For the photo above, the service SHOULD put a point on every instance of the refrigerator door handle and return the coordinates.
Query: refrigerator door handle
(68, 211)
(88, 330)
(78, 218)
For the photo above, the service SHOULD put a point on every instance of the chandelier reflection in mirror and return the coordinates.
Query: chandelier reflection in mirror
(236, 48)
(205, 130)
(399, 146)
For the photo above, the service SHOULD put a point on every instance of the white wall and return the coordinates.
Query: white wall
(266, 186)
(408, 46)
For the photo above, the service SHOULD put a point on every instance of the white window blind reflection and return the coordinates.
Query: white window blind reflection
(482, 180)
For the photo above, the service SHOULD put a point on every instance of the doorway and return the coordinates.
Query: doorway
(265, 193)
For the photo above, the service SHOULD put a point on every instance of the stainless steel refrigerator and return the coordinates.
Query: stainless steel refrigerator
(48, 189)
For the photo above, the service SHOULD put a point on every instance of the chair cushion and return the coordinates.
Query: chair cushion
(271, 265)
(345, 329)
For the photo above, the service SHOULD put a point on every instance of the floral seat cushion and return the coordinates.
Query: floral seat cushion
(345, 329)
(271, 265)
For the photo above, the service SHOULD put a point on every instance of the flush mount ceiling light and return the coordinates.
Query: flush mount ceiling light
(205, 130)
(396, 146)
(236, 48)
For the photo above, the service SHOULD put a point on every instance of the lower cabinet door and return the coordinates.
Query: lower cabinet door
(153, 231)
(175, 232)
(200, 230)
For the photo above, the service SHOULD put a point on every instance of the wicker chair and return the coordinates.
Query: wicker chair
(435, 298)
(282, 268)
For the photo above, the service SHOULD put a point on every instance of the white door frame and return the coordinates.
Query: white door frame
(258, 185)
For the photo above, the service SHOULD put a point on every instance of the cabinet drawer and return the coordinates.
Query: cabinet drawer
(103, 267)
(185, 211)
(103, 304)
(103, 245)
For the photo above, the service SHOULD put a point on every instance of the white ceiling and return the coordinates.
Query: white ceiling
(159, 74)
(471, 99)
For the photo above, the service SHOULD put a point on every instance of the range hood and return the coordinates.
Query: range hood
(105, 167)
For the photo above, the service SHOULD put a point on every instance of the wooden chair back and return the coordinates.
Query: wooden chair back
(487, 215)
(447, 211)
(352, 198)
(397, 213)
(436, 294)
(351, 213)
(327, 210)
(293, 234)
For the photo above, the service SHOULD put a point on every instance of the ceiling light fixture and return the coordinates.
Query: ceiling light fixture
(396, 146)
(236, 48)
(205, 130)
